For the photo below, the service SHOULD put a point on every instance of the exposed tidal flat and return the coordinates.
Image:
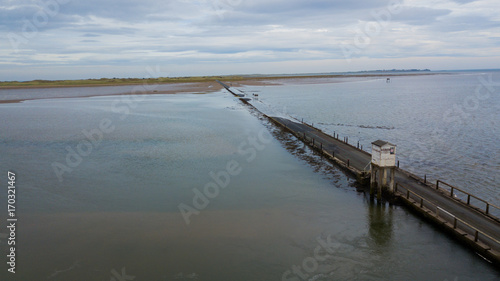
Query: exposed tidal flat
(116, 211)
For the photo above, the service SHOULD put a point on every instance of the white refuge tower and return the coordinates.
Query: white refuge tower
(383, 159)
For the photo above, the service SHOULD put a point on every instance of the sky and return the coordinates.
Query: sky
(70, 39)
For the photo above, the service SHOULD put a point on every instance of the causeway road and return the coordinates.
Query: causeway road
(360, 160)
(449, 208)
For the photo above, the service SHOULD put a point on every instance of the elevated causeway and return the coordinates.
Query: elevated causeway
(466, 217)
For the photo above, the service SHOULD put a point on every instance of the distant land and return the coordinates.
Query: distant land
(228, 78)
(394, 70)
(193, 79)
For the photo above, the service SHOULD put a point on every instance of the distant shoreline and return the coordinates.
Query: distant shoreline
(41, 84)
(194, 87)
(190, 85)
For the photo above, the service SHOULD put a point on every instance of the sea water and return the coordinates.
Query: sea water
(110, 190)
(445, 126)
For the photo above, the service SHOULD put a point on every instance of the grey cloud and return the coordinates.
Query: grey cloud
(467, 23)
(463, 1)
(420, 15)
(98, 30)
(294, 6)
(90, 35)
(296, 13)
(124, 10)
(251, 31)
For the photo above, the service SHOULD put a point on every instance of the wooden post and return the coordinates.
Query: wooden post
(348, 163)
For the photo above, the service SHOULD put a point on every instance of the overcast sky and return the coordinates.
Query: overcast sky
(71, 39)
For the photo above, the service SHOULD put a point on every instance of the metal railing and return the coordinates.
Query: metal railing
(454, 194)
(455, 221)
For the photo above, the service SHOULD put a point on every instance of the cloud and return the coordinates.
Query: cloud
(125, 33)
(470, 23)
(463, 1)
(90, 35)
(420, 15)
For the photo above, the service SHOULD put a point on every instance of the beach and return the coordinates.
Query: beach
(55, 89)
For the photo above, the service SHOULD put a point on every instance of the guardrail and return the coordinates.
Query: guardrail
(469, 196)
(454, 220)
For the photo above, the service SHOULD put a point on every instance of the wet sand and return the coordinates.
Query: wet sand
(208, 87)
(198, 87)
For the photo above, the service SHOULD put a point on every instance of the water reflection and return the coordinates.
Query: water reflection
(380, 221)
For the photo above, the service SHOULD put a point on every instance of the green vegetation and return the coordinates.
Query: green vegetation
(168, 80)
(116, 81)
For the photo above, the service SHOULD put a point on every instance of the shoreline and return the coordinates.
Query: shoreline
(201, 87)
(190, 80)
(194, 87)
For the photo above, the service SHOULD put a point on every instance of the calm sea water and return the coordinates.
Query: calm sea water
(445, 126)
(113, 212)
(46, 93)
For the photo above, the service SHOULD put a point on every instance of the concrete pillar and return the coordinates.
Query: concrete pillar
(393, 176)
(379, 194)
(379, 185)
(384, 178)
(373, 179)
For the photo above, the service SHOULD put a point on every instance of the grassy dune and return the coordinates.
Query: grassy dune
(167, 80)
(114, 81)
